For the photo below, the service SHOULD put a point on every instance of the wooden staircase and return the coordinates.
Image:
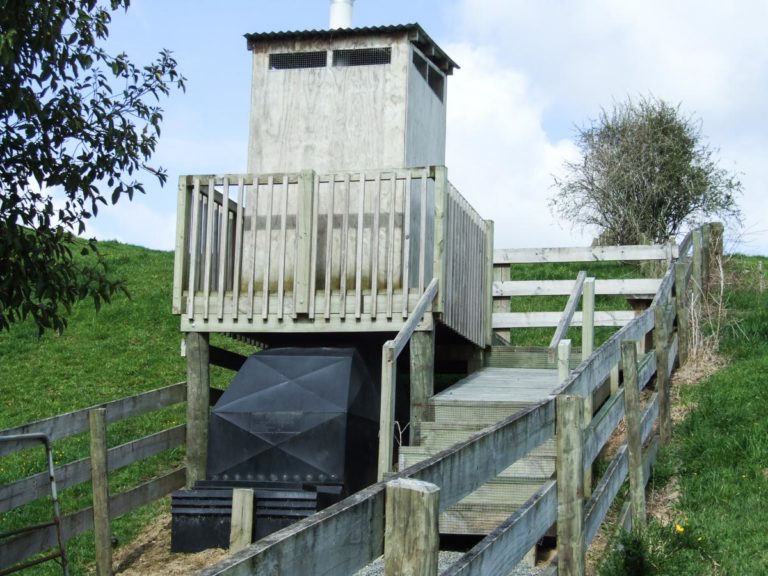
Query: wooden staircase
(478, 400)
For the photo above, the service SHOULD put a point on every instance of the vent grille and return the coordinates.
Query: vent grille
(433, 77)
(294, 60)
(362, 57)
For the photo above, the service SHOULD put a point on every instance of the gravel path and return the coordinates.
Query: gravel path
(445, 561)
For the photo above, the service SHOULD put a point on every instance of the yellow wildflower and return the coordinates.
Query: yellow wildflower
(679, 529)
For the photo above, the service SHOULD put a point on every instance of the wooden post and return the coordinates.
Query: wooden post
(198, 398)
(302, 282)
(681, 305)
(488, 305)
(705, 258)
(570, 486)
(387, 411)
(241, 527)
(563, 360)
(100, 482)
(661, 338)
(411, 536)
(503, 274)
(715, 250)
(615, 379)
(698, 264)
(634, 440)
(422, 377)
(588, 316)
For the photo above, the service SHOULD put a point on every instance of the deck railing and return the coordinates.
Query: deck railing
(351, 534)
(310, 252)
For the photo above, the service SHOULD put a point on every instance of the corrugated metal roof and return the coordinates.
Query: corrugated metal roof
(415, 32)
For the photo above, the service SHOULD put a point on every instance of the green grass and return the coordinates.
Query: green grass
(719, 454)
(130, 346)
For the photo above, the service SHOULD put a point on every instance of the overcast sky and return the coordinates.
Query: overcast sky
(530, 71)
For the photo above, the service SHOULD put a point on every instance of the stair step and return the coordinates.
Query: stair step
(536, 468)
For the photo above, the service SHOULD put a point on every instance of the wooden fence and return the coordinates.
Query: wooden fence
(351, 534)
(30, 488)
(333, 252)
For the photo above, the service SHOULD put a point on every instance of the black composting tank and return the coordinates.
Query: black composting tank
(298, 423)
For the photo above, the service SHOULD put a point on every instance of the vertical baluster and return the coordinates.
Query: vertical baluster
(329, 246)
(423, 232)
(194, 252)
(359, 248)
(375, 245)
(267, 249)
(283, 251)
(238, 249)
(406, 242)
(344, 243)
(313, 250)
(391, 245)
(223, 244)
(209, 249)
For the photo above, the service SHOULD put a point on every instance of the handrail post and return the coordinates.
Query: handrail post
(563, 360)
(422, 351)
(411, 536)
(661, 341)
(588, 318)
(634, 440)
(100, 484)
(387, 411)
(570, 485)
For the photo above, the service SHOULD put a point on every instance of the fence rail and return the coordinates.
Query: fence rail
(30, 488)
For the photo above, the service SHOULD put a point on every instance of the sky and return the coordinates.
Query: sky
(531, 71)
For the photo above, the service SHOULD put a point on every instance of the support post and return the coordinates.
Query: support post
(706, 234)
(503, 274)
(387, 411)
(634, 440)
(715, 250)
(100, 484)
(570, 486)
(698, 261)
(681, 305)
(198, 399)
(241, 526)
(588, 318)
(661, 338)
(422, 377)
(411, 536)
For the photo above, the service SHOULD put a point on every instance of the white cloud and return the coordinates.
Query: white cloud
(498, 155)
(137, 222)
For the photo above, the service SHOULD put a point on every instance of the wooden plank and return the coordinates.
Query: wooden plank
(604, 423)
(422, 352)
(552, 319)
(241, 520)
(411, 537)
(487, 296)
(407, 244)
(329, 246)
(588, 318)
(375, 243)
(686, 245)
(238, 247)
(605, 492)
(400, 341)
(587, 254)
(621, 286)
(100, 490)
(441, 247)
(344, 246)
(313, 255)
(71, 423)
(423, 235)
(634, 442)
(648, 420)
(37, 486)
(563, 357)
(507, 545)
(661, 343)
(681, 304)
(181, 252)
(359, 247)
(194, 249)
(570, 486)
(477, 459)
(391, 246)
(209, 251)
(223, 247)
(350, 535)
(646, 370)
(305, 244)
(570, 308)
(698, 261)
(282, 253)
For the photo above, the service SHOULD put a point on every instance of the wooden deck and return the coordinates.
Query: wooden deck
(465, 408)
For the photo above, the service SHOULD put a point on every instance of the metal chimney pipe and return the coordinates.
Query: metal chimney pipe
(341, 14)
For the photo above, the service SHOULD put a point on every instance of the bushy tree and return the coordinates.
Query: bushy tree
(78, 126)
(644, 175)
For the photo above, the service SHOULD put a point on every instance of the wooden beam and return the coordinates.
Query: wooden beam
(411, 536)
(100, 488)
(570, 486)
(563, 360)
(422, 351)
(634, 441)
(304, 234)
(241, 522)
(503, 287)
(387, 409)
(570, 308)
(551, 319)
(198, 398)
(661, 343)
(588, 318)
(226, 358)
(588, 254)
(681, 303)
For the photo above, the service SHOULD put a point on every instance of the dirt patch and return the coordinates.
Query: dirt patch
(151, 554)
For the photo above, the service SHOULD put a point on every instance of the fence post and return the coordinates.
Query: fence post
(422, 348)
(411, 536)
(715, 249)
(241, 525)
(570, 486)
(634, 439)
(563, 360)
(387, 411)
(100, 484)
(198, 399)
(698, 261)
(681, 305)
(588, 318)
(661, 341)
